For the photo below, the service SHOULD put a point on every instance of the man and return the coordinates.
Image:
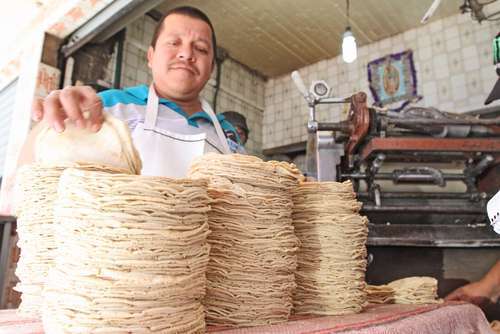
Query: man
(169, 123)
(240, 124)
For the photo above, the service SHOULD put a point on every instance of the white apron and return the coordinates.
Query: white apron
(168, 151)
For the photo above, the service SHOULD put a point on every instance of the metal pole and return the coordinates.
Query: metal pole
(447, 121)
(424, 209)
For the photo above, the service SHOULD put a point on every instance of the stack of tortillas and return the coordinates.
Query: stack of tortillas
(332, 256)
(379, 294)
(415, 290)
(131, 257)
(36, 190)
(250, 277)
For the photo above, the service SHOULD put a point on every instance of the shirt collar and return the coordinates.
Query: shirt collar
(142, 92)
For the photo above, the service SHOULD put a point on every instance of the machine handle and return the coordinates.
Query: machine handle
(297, 79)
(419, 174)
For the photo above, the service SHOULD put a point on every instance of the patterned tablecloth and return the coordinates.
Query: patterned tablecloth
(376, 319)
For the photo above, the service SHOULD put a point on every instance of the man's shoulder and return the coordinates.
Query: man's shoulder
(130, 95)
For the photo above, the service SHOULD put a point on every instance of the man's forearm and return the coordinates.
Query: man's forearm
(492, 279)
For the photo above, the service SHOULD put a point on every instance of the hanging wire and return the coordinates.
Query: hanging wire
(347, 9)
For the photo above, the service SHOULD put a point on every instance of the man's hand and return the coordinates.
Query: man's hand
(479, 293)
(80, 104)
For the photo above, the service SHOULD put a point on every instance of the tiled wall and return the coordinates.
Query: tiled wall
(241, 89)
(453, 60)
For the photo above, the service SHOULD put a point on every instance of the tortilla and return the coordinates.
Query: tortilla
(110, 146)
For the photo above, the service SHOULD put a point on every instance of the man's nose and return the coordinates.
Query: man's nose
(186, 53)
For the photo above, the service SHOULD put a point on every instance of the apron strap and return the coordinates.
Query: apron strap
(151, 109)
(218, 129)
(152, 115)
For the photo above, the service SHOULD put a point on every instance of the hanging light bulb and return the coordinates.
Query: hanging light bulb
(349, 48)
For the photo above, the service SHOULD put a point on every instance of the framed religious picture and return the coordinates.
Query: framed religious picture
(392, 79)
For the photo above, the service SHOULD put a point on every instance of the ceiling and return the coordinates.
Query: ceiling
(276, 37)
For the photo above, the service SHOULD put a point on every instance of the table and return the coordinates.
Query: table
(452, 317)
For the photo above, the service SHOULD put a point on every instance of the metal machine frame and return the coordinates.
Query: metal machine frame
(370, 138)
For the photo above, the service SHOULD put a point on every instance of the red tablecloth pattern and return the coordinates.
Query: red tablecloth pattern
(377, 319)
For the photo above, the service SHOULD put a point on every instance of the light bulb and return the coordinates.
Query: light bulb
(349, 49)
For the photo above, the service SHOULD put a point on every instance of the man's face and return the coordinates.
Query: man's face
(242, 134)
(182, 59)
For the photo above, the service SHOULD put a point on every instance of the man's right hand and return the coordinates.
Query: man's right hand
(80, 104)
(479, 293)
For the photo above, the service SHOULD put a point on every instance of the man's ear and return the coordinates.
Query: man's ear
(214, 65)
(151, 52)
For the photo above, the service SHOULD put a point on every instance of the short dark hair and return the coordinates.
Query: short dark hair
(236, 119)
(186, 11)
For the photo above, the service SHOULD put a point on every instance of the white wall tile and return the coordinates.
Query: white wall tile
(438, 43)
(430, 100)
(483, 36)
(474, 84)
(441, 69)
(448, 106)
(485, 55)
(424, 53)
(426, 71)
(424, 40)
(455, 63)
(385, 44)
(467, 33)
(435, 27)
(444, 90)
(451, 32)
(477, 100)
(458, 91)
(458, 79)
(461, 105)
(469, 52)
(488, 78)
(430, 88)
(471, 64)
(453, 44)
